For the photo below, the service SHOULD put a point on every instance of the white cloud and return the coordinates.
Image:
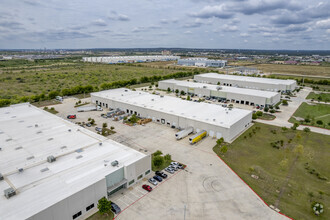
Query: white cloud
(323, 23)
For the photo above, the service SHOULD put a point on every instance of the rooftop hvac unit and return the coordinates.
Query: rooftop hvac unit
(219, 87)
(1, 177)
(114, 163)
(20, 170)
(162, 96)
(51, 159)
(204, 87)
(9, 192)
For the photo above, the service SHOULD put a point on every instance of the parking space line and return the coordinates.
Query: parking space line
(169, 177)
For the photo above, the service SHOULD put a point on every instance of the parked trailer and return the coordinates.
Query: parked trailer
(197, 137)
(89, 108)
(184, 133)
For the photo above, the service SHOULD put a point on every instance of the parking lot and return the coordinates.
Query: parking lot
(206, 189)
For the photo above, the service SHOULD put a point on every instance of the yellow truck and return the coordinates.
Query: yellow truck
(197, 137)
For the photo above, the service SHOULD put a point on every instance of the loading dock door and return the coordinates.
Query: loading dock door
(219, 135)
(198, 130)
(211, 133)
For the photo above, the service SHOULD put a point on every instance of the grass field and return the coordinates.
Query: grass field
(32, 80)
(324, 97)
(294, 69)
(314, 113)
(288, 177)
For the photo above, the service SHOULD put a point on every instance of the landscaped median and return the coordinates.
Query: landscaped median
(288, 169)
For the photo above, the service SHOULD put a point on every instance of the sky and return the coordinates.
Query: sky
(221, 24)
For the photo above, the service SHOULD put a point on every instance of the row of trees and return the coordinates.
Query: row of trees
(88, 88)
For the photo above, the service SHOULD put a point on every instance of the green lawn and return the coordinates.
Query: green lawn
(291, 181)
(98, 216)
(314, 113)
(323, 97)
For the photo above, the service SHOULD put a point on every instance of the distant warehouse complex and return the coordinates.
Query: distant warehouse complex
(216, 120)
(232, 94)
(129, 59)
(202, 62)
(247, 82)
(53, 169)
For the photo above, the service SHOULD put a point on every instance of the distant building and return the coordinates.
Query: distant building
(166, 53)
(129, 59)
(202, 62)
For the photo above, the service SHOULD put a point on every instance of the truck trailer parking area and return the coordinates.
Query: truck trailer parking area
(206, 189)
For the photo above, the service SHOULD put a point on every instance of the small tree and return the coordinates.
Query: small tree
(220, 141)
(266, 109)
(230, 106)
(285, 102)
(182, 92)
(112, 128)
(158, 152)
(218, 83)
(104, 206)
(158, 161)
(92, 121)
(188, 98)
(254, 116)
(259, 113)
(168, 157)
(104, 125)
(133, 118)
(169, 89)
(176, 91)
(224, 149)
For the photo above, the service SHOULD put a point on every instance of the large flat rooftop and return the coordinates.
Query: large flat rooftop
(29, 135)
(204, 112)
(229, 89)
(247, 78)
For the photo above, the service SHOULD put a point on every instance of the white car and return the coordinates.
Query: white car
(153, 181)
(174, 163)
(169, 170)
(174, 168)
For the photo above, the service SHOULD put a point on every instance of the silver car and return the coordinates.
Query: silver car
(153, 181)
(169, 170)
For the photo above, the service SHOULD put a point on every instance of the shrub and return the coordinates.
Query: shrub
(307, 120)
(266, 109)
(254, 116)
(168, 89)
(284, 128)
(157, 153)
(272, 111)
(104, 125)
(319, 122)
(224, 149)
(104, 206)
(285, 102)
(307, 130)
(220, 141)
(158, 161)
(168, 157)
(259, 113)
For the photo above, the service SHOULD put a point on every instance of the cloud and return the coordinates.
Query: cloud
(229, 28)
(169, 21)
(187, 32)
(323, 24)
(196, 23)
(99, 22)
(57, 35)
(144, 29)
(11, 25)
(118, 17)
(244, 35)
(217, 11)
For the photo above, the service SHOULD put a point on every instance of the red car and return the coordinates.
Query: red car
(71, 116)
(147, 187)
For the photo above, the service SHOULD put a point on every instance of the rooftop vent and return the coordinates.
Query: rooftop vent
(114, 163)
(49, 139)
(30, 158)
(79, 150)
(80, 156)
(20, 170)
(10, 192)
(9, 139)
(69, 130)
(1, 177)
(100, 144)
(1, 132)
(63, 147)
(36, 125)
(152, 100)
(39, 132)
(18, 148)
(162, 96)
(51, 159)
(0, 149)
(21, 121)
(204, 87)
(219, 87)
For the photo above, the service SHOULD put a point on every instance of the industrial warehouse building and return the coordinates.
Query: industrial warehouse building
(232, 94)
(129, 59)
(202, 62)
(53, 169)
(247, 82)
(171, 111)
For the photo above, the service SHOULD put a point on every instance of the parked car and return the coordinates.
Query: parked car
(169, 170)
(104, 116)
(161, 174)
(174, 168)
(98, 129)
(71, 116)
(174, 163)
(147, 187)
(180, 166)
(158, 178)
(88, 124)
(115, 208)
(153, 181)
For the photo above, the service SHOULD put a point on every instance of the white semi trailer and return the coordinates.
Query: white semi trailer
(184, 133)
(89, 108)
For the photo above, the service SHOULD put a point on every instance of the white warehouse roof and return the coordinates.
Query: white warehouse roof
(204, 112)
(229, 89)
(29, 135)
(247, 78)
